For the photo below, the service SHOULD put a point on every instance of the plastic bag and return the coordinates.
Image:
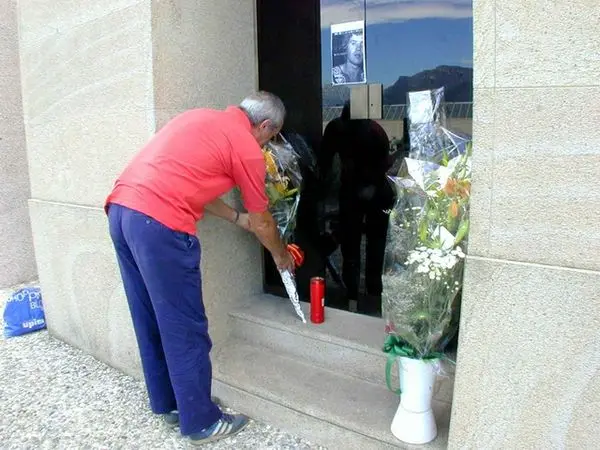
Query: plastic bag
(24, 312)
(425, 249)
(430, 139)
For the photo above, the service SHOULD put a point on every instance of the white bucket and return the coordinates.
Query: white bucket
(414, 422)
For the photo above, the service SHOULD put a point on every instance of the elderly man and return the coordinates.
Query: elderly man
(153, 209)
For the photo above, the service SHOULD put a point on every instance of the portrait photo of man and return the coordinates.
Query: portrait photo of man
(348, 53)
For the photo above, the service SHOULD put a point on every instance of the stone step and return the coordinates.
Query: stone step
(325, 407)
(347, 343)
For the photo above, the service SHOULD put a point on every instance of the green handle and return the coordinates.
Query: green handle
(388, 373)
(396, 348)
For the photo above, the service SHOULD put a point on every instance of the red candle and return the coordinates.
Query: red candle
(317, 300)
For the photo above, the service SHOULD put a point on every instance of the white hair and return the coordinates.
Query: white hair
(263, 106)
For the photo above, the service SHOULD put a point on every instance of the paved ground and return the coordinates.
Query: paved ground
(53, 396)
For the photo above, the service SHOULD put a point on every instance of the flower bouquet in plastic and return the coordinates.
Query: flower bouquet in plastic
(424, 255)
(423, 269)
(282, 184)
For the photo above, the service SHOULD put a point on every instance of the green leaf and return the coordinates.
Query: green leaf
(423, 231)
(469, 151)
(463, 229)
(291, 192)
(445, 159)
(432, 214)
(273, 194)
(451, 223)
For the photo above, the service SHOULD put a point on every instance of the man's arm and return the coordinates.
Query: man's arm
(261, 224)
(249, 173)
(264, 227)
(222, 210)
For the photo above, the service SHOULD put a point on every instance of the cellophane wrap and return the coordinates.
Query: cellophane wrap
(427, 235)
(283, 185)
(290, 287)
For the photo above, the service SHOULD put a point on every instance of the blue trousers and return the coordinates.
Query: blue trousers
(161, 275)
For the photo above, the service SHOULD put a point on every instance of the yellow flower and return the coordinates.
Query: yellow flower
(281, 187)
(271, 165)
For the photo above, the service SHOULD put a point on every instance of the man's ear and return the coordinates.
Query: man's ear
(266, 125)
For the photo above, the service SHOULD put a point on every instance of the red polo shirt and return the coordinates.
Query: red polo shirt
(198, 156)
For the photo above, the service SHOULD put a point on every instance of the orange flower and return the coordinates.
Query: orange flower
(450, 187)
(465, 189)
(453, 210)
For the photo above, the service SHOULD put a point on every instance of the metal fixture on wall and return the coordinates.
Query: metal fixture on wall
(366, 101)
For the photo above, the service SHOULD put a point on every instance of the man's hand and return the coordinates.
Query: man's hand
(244, 222)
(285, 262)
(221, 209)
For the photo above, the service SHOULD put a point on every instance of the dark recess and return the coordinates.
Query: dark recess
(289, 56)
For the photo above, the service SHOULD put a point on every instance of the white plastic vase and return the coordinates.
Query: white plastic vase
(414, 422)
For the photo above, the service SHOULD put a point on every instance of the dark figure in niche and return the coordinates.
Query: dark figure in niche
(365, 194)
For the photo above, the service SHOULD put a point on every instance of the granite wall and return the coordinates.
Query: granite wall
(17, 261)
(98, 79)
(528, 372)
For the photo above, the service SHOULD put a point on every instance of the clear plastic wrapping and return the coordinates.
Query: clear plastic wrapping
(289, 282)
(426, 118)
(430, 139)
(283, 185)
(427, 233)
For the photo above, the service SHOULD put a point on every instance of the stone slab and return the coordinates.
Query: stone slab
(42, 20)
(347, 343)
(76, 159)
(528, 371)
(84, 300)
(93, 110)
(483, 171)
(484, 43)
(335, 410)
(535, 195)
(203, 55)
(547, 43)
(17, 260)
(86, 306)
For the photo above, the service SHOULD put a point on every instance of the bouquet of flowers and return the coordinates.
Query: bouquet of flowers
(283, 183)
(427, 235)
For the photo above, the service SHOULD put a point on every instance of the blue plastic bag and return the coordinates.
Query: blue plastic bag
(24, 312)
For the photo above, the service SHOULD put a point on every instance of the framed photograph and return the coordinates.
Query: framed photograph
(348, 53)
